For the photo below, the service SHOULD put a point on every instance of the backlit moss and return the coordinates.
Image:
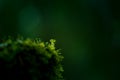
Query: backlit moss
(30, 60)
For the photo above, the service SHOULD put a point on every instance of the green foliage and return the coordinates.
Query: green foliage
(30, 60)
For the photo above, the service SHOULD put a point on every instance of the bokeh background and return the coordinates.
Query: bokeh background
(87, 31)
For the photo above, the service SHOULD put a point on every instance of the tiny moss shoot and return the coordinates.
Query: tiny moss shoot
(30, 60)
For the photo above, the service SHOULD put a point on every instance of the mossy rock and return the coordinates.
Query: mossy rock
(30, 60)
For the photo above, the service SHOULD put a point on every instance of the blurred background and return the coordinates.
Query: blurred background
(87, 31)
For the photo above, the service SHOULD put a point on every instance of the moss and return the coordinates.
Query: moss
(30, 60)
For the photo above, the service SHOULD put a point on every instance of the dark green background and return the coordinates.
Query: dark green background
(87, 31)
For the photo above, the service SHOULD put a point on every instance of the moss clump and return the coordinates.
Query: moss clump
(30, 60)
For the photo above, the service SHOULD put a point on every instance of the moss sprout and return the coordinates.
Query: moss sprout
(26, 59)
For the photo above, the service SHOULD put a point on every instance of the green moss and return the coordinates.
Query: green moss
(30, 60)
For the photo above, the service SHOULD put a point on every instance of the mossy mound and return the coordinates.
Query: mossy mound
(30, 60)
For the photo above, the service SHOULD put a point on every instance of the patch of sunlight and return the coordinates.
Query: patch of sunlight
(29, 20)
